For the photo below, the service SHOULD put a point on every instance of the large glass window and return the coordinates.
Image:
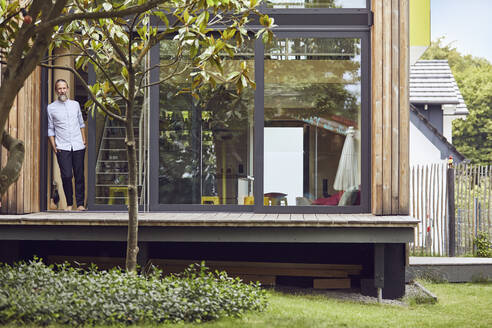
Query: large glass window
(205, 145)
(316, 3)
(298, 142)
(312, 122)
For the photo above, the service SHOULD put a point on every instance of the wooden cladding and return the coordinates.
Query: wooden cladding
(390, 107)
(24, 124)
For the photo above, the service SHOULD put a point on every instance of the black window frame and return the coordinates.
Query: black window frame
(322, 22)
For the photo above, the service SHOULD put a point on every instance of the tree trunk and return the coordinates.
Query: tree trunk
(132, 238)
(20, 65)
(10, 173)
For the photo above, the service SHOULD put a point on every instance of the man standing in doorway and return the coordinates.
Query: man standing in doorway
(67, 137)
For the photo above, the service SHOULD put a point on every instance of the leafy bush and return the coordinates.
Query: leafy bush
(483, 246)
(35, 293)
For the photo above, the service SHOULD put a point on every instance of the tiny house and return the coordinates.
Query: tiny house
(310, 168)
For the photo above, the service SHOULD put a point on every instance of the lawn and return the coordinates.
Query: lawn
(460, 305)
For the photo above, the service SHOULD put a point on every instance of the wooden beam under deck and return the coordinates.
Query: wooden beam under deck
(207, 227)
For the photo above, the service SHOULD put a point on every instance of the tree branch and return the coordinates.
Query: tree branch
(24, 34)
(8, 18)
(174, 73)
(96, 15)
(98, 64)
(116, 47)
(55, 57)
(86, 87)
(172, 63)
(153, 41)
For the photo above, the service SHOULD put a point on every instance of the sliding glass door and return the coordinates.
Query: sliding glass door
(314, 120)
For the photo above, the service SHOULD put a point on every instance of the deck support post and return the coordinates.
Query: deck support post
(379, 270)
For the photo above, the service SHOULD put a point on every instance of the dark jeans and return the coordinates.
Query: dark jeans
(72, 161)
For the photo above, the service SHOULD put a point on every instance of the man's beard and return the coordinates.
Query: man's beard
(62, 98)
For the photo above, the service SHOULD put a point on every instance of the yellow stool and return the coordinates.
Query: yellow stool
(250, 200)
(117, 189)
(210, 200)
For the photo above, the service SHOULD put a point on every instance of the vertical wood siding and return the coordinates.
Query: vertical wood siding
(24, 124)
(390, 107)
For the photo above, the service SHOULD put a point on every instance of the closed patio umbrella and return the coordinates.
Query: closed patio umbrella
(348, 172)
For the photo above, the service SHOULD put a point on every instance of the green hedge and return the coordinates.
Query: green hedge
(36, 293)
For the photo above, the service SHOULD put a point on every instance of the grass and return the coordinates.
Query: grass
(460, 305)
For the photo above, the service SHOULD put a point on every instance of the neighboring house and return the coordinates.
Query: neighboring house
(249, 178)
(435, 102)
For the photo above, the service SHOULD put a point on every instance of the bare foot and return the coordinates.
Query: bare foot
(81, 208)
(69, 208)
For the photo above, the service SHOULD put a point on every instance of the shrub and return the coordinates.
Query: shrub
(33, 293)
(483, 246)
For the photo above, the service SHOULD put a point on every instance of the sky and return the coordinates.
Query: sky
(466, 22)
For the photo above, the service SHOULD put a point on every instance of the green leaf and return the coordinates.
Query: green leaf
(78, 63)
(207, 53)
(163, 17)
(263, 19)
(244, 81)
(267, 37)
(124, 72)
(232, 76)
(193, 51)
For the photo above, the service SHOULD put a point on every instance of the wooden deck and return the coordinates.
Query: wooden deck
(209, 219)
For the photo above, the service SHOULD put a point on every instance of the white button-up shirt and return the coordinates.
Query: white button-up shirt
(64, 123)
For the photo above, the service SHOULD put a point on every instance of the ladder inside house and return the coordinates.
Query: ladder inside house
(112, 164)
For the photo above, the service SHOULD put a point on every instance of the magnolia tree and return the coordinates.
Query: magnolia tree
(117, 45)
(27, 29)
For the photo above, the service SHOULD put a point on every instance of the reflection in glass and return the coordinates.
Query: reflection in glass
(316, 3)
(312, 119)
(205, 145)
